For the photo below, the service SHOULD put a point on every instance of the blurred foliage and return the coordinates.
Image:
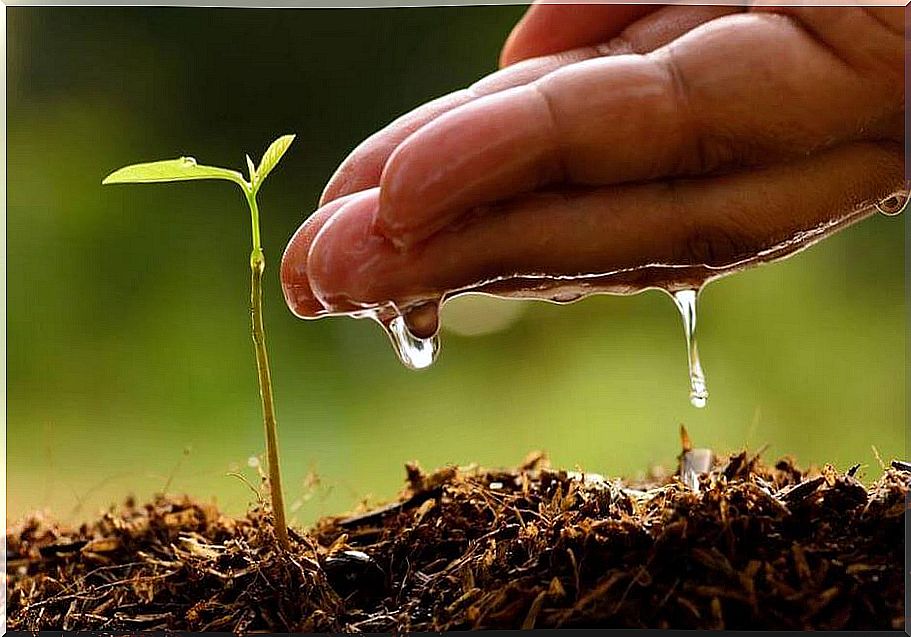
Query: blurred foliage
(129, 360)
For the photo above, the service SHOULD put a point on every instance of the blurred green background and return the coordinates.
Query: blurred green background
(130, 364)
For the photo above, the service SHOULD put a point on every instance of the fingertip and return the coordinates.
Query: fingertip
(362, 168)
(405, 197)
(548, 28)
(510, 53)
(525, 39)
(345, 247)
(352, 175)
(485, 151)
(392, 206)
(294, 279)
(293, 271)
(333, 188)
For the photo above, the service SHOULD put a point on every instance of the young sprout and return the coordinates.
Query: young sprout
(186, 169)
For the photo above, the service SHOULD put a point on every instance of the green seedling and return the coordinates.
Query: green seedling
(186, 169)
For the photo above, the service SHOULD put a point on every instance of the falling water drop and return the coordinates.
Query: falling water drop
(894, 204)
(413, 351)
(686, 303)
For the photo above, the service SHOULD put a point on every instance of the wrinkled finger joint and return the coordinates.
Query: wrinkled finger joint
(714, 243)
(556, 166)
(697, 152)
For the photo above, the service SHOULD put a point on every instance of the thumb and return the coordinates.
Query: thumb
(554, 28)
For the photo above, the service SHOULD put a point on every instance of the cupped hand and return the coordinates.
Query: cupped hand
(615, 137)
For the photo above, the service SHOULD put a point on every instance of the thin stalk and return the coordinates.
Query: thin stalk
(257, 265)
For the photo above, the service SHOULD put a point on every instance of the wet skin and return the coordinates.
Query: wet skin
(614, 137)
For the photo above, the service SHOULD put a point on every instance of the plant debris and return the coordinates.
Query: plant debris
(723, 543)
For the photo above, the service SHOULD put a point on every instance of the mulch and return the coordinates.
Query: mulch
(724, 542)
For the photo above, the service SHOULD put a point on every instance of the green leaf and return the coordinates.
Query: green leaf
(271, 157)
(183, 169)
(251, 169)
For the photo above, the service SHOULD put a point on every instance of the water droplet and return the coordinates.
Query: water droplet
(566, 297)
(423, 320)
(413, 329)
(413, 351)
(894, 204)
(189, 161)
(686, 303)
(695, 462)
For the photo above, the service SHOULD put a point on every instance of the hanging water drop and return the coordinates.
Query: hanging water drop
(188, 161)
(894, 204)
(423, 321)
(686, 303)
(414, 352)
(566, 297)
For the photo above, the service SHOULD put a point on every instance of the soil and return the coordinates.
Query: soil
(722, 543)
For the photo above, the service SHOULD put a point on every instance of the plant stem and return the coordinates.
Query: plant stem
(257, 265)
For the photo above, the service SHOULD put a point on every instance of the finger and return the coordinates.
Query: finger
(740, 90)
(293, 271)
(550, 28)
(362, 168)
(840, 27)
(714, 222)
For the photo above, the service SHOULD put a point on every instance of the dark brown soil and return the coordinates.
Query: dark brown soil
(750, 547)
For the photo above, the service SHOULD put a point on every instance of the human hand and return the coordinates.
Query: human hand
(695, 137)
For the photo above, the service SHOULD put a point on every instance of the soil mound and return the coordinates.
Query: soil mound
(731, 544)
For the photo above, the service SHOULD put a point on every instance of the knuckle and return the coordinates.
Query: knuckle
(699, 151)
(714, 152)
